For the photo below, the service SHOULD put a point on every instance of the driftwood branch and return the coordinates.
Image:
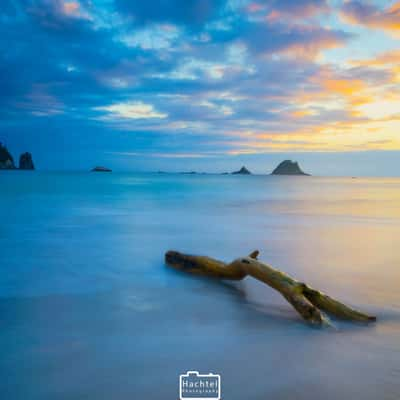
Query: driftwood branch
(308, 302)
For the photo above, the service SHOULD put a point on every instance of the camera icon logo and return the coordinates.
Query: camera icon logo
(196, 386)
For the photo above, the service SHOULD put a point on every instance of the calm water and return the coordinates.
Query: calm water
(88, 309)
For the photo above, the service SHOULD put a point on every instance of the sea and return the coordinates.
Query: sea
(89, 310)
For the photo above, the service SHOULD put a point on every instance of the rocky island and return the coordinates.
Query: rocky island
(25, 161)
(242, 171)
(288, 167)
(101, 169)
(7, 161)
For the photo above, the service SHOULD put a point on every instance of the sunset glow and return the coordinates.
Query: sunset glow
(203, 77)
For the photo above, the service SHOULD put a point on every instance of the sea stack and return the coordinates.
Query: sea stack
(25, 161)
(288, 167)
(6, 160)
(101, 169)
(242, 171)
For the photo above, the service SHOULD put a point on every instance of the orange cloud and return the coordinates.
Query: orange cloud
(330, 137)
(388, 61)
(302, 113)
(383, 60)
(345, 87)
(333, 91)
(71, 8)
(279, 10)
(312, 49)
(357, 13)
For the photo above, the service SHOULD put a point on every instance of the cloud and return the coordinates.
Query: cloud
(368, 15)
(74, 9)
(386, 64)
(200, 75)
(131, 110)
(40, 102)
(57, 14)
(156, 36)
(310, 48)
(296, 40)
(278, 9)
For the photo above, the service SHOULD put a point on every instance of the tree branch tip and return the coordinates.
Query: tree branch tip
(254, 254)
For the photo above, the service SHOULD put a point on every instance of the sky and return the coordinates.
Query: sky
(206, 85)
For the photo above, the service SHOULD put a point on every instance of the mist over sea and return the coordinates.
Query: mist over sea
(88, 309)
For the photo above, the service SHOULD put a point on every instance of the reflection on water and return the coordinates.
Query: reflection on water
(89, 310)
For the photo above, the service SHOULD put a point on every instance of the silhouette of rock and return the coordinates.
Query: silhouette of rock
(288, 167)
(25, 161)
(6, 160)
(101, 169)
(242, 171)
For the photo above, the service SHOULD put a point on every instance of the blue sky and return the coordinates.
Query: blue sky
(202, 84)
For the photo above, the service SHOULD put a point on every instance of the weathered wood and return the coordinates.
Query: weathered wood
(308, 302)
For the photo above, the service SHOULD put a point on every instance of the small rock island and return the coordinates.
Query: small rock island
(25, 161)
(242, 171)
(6, 159)
(101, 169)
(288, 167)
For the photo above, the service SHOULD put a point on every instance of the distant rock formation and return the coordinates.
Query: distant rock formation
(101, 169)
(288, 167)
(6, 160)
(242, 171)
(25, 161)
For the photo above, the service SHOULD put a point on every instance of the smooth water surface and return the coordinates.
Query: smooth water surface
(88, 310)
